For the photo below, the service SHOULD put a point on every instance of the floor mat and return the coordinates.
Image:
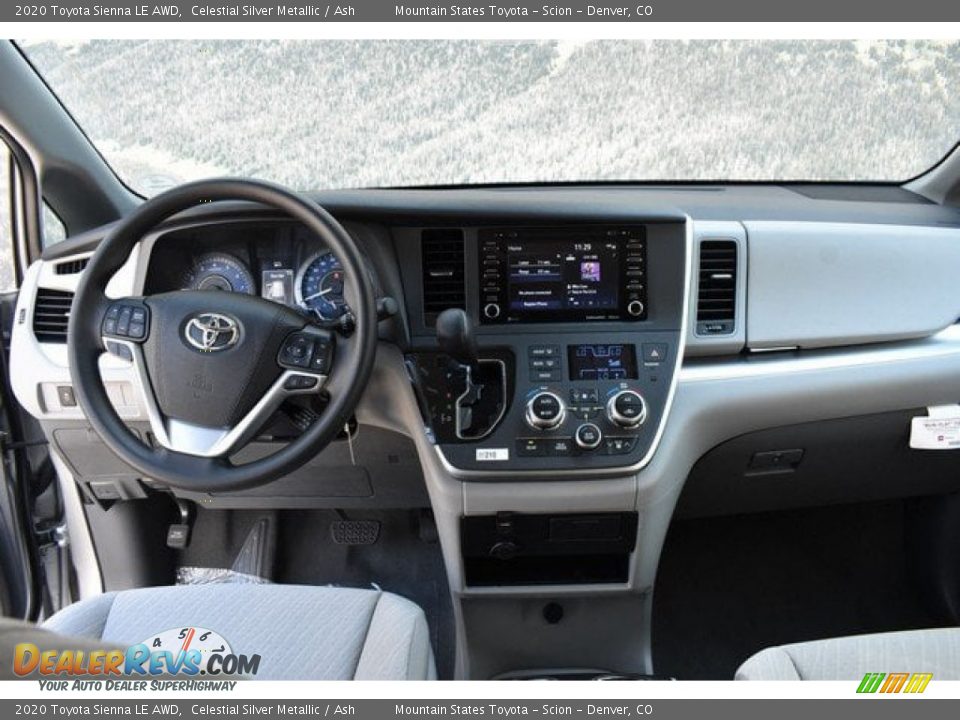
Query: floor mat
(729, 587)
(399, 562)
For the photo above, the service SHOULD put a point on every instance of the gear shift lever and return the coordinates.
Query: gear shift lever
(456, 339)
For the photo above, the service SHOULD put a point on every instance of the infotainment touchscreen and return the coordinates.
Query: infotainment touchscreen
(555, 275)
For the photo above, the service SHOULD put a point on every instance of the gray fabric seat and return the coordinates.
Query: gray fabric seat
(850, 658)
(301, 633)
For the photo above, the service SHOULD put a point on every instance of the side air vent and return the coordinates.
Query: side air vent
(51, 313)
(71, 267)
(717, 296)
(444, 284)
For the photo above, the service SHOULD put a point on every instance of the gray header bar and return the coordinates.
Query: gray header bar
(472, 11)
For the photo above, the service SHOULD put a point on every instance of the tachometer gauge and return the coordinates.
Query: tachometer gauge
(219, 271)
(319, 286)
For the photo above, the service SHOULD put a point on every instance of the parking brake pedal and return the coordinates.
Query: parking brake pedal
(354, 532)
(178, 534)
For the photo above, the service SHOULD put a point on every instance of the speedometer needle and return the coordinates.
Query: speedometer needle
(318, 294)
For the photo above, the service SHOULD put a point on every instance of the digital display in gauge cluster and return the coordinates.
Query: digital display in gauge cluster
(277, 285)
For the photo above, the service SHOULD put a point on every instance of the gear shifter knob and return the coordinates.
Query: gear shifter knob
(455, 337)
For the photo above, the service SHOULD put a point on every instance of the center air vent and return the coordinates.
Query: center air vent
(717, 295)
(443, 272)
(51, 314)
(71, 267)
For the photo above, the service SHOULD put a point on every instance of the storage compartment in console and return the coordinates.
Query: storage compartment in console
(568, 549)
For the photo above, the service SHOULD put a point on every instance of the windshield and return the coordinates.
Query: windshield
(330, 114)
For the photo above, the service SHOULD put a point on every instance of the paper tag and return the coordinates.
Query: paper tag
(487, 454)
(939, 430)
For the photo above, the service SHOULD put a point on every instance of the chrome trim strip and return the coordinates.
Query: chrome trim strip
(201, 440)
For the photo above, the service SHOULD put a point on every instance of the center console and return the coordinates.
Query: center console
(584, 324)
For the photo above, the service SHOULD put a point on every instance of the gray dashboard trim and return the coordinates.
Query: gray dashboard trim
(814, 285)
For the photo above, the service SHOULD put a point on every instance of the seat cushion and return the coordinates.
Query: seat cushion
(850, 658)
(301, 633)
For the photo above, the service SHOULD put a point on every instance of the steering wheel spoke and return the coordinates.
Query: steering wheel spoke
(205, 441)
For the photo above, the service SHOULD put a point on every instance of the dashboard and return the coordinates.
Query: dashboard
(281, 262)
(594, 309)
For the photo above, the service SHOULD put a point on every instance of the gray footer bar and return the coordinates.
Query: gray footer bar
(874, 708)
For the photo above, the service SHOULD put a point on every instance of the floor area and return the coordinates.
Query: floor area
(729, 587)
(404, 560)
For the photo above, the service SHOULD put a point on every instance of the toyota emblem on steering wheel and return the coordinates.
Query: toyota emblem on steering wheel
(212, 332)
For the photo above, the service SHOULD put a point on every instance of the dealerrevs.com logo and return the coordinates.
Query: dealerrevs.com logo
(188, 651)
(891, 683)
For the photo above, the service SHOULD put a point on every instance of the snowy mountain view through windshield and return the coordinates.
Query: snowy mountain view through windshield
(330, 114)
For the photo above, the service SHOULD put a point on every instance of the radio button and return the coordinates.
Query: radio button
(635, 308)
(492, 311)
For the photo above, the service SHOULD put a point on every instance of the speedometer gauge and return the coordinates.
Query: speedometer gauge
(219, 271)
(319, 286)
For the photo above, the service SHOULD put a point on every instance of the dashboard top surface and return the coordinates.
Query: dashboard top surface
(879, 204)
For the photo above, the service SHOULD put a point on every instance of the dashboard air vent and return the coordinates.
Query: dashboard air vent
(51, 313)
(444, 284)
(717, 295)
(71, 267)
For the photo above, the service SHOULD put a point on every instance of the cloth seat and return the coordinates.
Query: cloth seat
(300, 632)
(850, 658)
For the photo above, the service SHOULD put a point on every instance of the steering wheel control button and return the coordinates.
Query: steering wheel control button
(300, 382)
(626, 409)
(322, 355)
(297, 351)
(588, 437)
(126, 320)
(310, 349)
(545, 411)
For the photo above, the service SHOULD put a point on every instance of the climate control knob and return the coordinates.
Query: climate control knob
(627, 409)
(545, 411)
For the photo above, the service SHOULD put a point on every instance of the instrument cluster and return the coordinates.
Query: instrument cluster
(281, 264)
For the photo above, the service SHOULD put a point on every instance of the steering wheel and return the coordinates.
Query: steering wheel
(214, 366)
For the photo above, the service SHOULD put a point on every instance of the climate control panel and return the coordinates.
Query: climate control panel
(594, 403)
